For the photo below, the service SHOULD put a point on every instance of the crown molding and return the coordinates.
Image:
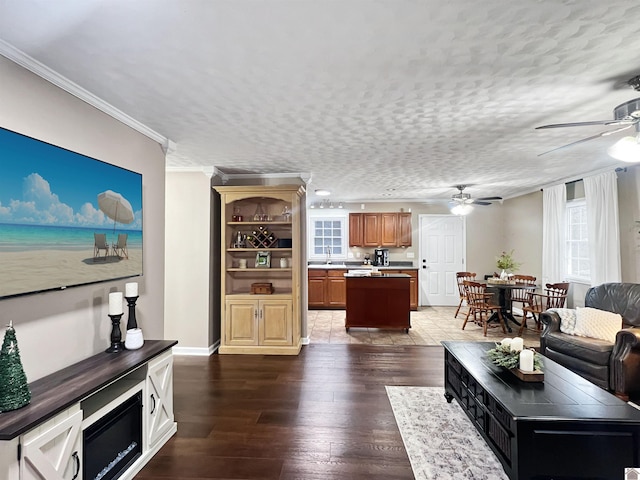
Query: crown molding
(208, 171)
(17, 56)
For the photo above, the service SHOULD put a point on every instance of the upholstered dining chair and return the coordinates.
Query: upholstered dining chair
(481, 305)
(554, 296)
(461, 277)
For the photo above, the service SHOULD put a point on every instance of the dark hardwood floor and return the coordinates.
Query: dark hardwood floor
(321, 415)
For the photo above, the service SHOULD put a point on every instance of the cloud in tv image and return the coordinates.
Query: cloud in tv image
(65, 219)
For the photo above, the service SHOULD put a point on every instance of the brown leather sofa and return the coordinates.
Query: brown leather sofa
(612, 366)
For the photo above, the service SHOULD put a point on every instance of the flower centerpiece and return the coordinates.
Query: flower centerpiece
(511, 354)
(503, 356)
(506, 263)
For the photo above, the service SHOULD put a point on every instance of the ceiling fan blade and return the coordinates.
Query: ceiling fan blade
(577, 124)
(489, 198)
(478, 202)
(598, 135)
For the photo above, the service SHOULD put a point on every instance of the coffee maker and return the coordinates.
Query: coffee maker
(381, 257)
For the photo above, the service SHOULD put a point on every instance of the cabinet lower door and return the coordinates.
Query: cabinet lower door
(159, 403)
(241, 322)
(275, 322)
(53, 451)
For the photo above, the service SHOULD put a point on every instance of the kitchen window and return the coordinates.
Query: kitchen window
(577, 247)
(327, 237)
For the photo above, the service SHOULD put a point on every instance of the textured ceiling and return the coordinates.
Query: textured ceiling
(376, 100)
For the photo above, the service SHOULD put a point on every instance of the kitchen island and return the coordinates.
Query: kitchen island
(378, 301)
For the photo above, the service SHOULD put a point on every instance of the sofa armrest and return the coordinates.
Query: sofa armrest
(625, 363)
(551, 322)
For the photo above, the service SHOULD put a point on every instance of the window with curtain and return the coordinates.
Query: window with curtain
(577, 241)
(327, 235)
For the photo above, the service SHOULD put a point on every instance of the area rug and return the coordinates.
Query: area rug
(440, 440)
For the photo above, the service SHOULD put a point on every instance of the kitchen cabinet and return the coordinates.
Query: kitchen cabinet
(413, 286)
(261, 219)
(258, 322)
(390, 229)
(327, 288)
(317, 288)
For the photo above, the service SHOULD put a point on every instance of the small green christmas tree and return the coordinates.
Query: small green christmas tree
(14, 389)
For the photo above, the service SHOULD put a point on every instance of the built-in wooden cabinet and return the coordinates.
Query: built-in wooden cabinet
(253, 322)
(261, 221)
(327, 288)
(390, 229)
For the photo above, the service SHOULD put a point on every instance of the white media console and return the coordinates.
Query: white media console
(75, 414)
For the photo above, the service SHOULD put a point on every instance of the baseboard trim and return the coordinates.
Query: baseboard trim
(197, 351)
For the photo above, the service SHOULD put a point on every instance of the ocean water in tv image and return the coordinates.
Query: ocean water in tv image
(20, 238)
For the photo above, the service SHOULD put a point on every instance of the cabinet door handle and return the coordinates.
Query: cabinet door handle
(76, 460)
(153, 404)
(255, 314)
(260, 314)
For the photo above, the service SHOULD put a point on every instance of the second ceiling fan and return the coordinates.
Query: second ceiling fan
(462, 198)
(625, 116)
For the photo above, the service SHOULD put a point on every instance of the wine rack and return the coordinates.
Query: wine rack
(262, 238)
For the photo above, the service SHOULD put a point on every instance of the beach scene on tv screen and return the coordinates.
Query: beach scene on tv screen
(65, 219)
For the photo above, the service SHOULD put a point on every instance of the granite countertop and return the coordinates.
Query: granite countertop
(360, 266)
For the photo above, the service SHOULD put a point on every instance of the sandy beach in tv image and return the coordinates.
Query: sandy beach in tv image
(65, 219)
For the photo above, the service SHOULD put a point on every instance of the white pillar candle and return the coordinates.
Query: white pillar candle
(506, 342)
(517, 344)
(115, 303)
(526, 360)
(131, 289)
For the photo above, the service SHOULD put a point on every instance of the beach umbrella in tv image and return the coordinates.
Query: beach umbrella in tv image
(116, 207)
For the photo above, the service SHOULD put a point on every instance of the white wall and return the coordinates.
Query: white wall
(56, 329)
(192, 316)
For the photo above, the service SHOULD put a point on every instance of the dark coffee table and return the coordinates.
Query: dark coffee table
(563, 428)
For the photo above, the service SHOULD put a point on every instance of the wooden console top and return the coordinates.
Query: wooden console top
(55, 392)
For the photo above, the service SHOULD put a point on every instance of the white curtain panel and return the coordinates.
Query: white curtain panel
(603, 229)
(554, 200)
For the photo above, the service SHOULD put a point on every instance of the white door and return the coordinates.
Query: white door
(442, 249)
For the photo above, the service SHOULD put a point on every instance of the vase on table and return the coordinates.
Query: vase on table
(504, 275)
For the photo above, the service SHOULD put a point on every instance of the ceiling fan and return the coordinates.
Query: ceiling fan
(462, 198)
(625, 115)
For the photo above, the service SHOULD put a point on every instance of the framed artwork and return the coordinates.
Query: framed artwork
(263, 260)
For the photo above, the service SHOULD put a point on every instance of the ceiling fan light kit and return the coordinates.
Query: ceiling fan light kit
(627, 149)
(462, 209)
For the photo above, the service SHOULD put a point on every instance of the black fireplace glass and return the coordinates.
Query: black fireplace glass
(114, 442)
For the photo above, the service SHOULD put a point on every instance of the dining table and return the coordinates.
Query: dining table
(503, 291)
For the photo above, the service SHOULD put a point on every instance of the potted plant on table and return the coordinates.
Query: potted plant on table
(507, 264)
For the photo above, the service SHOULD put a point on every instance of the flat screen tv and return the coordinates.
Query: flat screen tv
(65, 219)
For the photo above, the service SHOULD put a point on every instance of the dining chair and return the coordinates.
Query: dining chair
(554, 296)
(481, 305)
(522, 295)
(461, 277)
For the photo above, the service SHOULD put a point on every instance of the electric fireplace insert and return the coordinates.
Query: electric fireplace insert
(113, 443)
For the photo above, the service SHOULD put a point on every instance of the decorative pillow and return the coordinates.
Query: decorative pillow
(594, 323)
(567, 319)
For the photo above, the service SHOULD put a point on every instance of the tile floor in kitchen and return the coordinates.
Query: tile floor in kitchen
(429, 326)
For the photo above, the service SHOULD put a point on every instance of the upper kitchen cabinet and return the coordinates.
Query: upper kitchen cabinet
(261, 269)
(389, 229)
